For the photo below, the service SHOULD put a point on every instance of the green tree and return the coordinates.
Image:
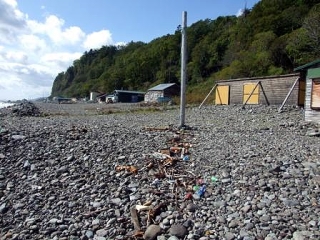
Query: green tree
(312, 27)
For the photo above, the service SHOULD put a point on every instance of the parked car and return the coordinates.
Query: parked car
(110, 99)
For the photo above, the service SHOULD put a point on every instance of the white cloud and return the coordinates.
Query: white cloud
(16, 56)
(12, 56)
(32, 53)
(97, 39)
(73, 34)
(11, 21)
(53, 28)
(11, 3)
(59, 61)
(33, 43)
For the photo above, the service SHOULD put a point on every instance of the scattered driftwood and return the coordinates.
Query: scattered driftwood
(93, 213)
(130, 169)
(153, 212)
(191, 173)
(138, 234)
(165, 164)
(135, 219)
(142, 207)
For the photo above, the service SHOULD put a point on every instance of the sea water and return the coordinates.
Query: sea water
(5, 104)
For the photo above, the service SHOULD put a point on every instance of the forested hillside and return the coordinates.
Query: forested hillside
(273, 37)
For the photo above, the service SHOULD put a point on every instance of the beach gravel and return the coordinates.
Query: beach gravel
(81, 171)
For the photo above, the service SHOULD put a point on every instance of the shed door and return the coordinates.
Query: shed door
(315, 94)
(247, 91)
(222, 95)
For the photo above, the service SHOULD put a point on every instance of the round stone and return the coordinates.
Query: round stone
(152, 232)
(178, 230)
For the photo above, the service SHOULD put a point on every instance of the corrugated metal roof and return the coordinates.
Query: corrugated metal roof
(161, 87)
(306, 66)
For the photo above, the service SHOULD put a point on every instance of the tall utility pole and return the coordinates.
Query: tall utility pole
(183, 69)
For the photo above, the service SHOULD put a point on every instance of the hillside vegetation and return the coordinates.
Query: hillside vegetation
(273, 37)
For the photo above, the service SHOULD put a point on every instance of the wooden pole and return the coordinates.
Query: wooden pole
(208, 95)
(183, 69)
(264, 94)
(288, 95)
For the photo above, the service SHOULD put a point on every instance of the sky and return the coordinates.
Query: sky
(41, 38)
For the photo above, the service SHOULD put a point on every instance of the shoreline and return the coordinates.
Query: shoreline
(5, 104)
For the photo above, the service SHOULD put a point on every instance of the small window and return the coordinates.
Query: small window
(315, 94)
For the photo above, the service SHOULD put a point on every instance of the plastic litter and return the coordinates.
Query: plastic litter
(188, 196)
(201, 190)
(156, 182)
(200, 181)
(186, 158)
(196, 188)
(214, 179)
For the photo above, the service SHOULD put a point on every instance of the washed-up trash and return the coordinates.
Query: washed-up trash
(165, 151)
(196, 188)
(169, 161)
(148, 203)
(214, 179)
(159, 155)
(156, 182)
(188, 196)
(186, 158)
(201, 190)
(196, 196)
(179, 151)
(143, 207)
(200, 181)
(130, 169)
(175, 149)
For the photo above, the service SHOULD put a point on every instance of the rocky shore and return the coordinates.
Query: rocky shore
(90, 171)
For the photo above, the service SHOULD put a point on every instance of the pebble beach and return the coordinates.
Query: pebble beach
(127, 171)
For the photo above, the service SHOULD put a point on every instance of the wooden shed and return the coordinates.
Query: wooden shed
(94, 95)
(311, 71)
(161, 92)
(270, 90)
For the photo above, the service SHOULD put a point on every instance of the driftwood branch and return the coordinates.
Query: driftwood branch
(134, 218)
(89, 214)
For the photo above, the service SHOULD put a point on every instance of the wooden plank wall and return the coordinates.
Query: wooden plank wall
(309, 114)
(276, 89)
